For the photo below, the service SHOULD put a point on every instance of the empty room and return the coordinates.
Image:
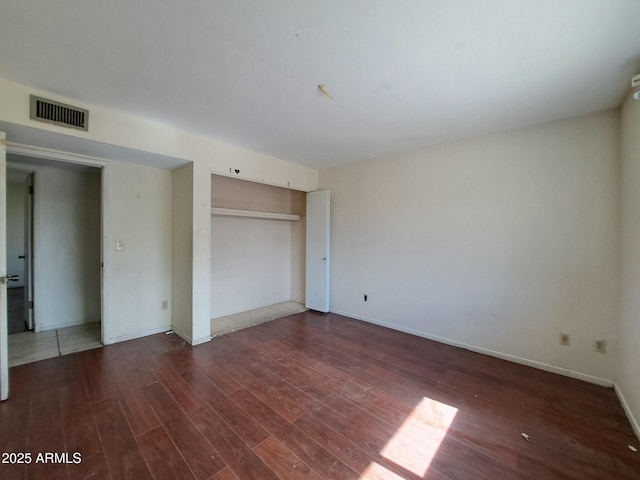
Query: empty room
(320, 240)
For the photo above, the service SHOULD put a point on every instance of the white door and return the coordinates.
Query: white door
(317, 285)
(28, 252)
(4, 331)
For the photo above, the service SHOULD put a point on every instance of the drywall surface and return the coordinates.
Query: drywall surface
(139, 215)
(16, 200)
(201, 271)
(123, 130)
(182, 286)
(156, 145)
(239, 194)
(298, 260)
(251, 264)
(298, 247)
(67, 224)
(499, 242)
(628, 369)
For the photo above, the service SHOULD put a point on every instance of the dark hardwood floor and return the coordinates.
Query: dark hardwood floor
(309, 396)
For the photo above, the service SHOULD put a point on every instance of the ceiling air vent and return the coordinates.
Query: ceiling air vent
(45, 110)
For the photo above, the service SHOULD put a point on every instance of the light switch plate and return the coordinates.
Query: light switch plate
(119, 245)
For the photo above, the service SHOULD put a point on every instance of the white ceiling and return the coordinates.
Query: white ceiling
(404, 74)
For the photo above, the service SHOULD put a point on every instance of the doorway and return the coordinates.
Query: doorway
(58, 291)
(19, 250)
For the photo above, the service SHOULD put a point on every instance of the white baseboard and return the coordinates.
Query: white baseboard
(201, 340)
(64, 325)
(485, 351)
(133, 336)
(182, 335)
(245, 310)
(189, 340)
(632, 419)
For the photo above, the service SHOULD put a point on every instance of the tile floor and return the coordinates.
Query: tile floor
(30, 347)
(250, 318)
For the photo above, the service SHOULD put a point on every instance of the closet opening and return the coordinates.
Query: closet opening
(258, 236)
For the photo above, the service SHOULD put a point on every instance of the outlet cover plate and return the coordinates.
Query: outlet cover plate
(600, 346)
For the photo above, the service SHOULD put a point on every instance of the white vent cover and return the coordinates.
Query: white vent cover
(45, 110)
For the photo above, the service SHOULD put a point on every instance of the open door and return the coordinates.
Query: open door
(28, 254)
(4, 331)
(317, 281)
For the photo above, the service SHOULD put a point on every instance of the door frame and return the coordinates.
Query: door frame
(28, 252)
(103, 165)
(4, 327)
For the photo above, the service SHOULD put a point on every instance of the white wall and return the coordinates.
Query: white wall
(251, 264)
(201, 250)
(16, 200)
(298, 259)
(182, 280)
(499, 242)
(123, 130)
(628, 369)
(137, 134)
(139, 213)
(66, 247)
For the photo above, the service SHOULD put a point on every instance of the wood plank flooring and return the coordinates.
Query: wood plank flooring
(309, 396)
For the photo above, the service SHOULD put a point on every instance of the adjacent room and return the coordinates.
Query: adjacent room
(53, 249)
(320, 240)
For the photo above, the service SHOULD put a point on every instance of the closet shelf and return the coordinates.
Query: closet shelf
(232, 212)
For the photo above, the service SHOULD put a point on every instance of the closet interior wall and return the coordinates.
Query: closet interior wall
(256, 262)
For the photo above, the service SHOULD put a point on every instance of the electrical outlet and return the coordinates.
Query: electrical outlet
(565, 339)
(600, 346)
(165, 305)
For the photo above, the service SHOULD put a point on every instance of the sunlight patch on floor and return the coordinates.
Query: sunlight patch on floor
(375, 471)
(416, 442)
